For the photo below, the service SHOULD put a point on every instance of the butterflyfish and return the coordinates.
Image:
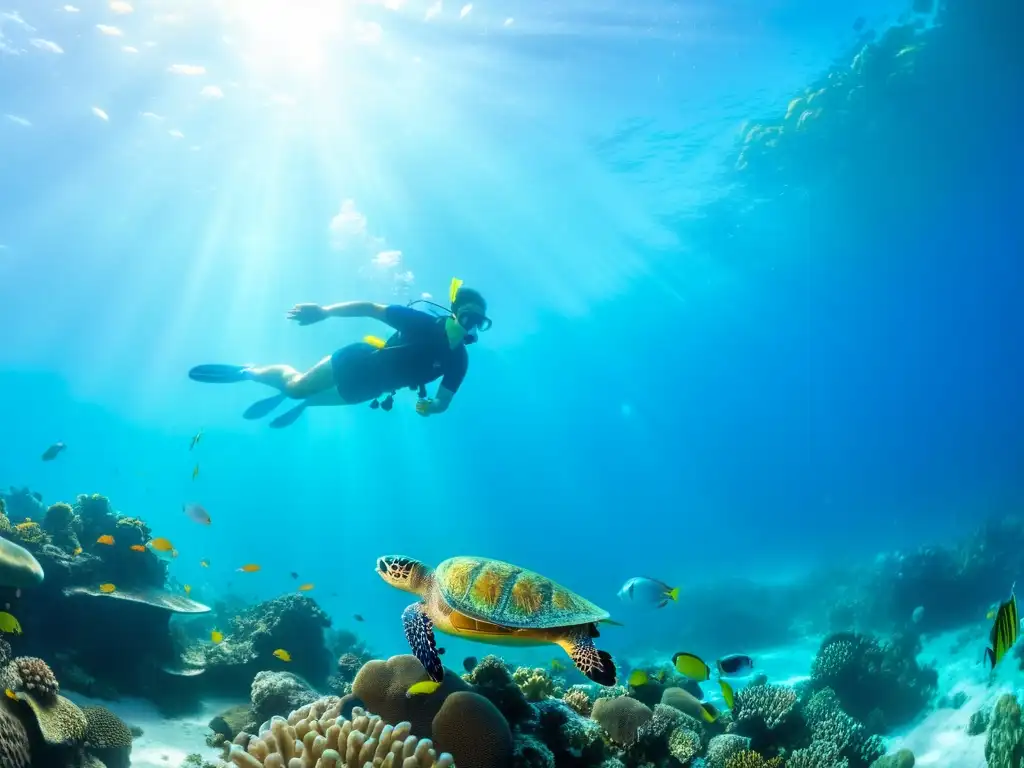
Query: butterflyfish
(306, 587)
(1004, 632)
(637, 678)
(106, 589)
(197, 514)
(557, 665)
(375, 341)
(727, 693)
(216, 637)
(161, 544)
(77, 551)
(735, 665)
(9, 624)
(283, 655)
(650, 593)
(422, 688)
(10, 694)
(106, 538)
(691, 666)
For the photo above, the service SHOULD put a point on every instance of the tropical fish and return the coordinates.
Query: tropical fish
(249, 568)
(637, 678)
(735, 665)
(161, 544)
(106, 589)
(188, 589)
(727, 693)
(138, 547)
(1004, 632)
(469, 663)
(197, 514)
(440, 651)
(195, 472)
(660, 675)
(10, 694)
(283, 655)
(691, 666)
(216, 637)
(305, 587)
(195, 439)
(77, 551)
(106, 538)
(357, 617)
(204, 563)
(422, 688)
(375, 341)
(9, 624)
(294, 575)
(24, 526)
(652, 593)
(557, 665)
(53, 451)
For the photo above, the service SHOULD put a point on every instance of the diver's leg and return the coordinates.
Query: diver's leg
(293, 383)
(276, 376)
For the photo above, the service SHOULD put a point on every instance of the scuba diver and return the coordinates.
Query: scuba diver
(425, 347)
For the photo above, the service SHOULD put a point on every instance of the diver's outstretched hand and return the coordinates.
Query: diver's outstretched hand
(307, 314)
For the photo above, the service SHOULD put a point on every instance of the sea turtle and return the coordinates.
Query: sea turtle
(493, 602)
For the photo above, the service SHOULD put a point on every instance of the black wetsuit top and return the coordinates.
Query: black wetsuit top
(418, 354)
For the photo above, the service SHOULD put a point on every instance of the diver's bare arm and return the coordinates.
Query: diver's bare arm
(441, 400)
(356, 309)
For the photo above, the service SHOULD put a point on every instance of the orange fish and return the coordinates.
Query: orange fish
(161, 545)
(106, 589)
(138, 547)
(306, 587)
(249, 568)
(105, 539)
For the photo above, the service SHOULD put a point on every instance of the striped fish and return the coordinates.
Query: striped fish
(1004, 631)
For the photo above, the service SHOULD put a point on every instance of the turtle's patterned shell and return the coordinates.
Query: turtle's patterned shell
(493, 591)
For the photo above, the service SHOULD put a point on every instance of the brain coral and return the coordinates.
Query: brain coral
(382, 685)
(108, 737)
(621, 717)
(37, 677)
(331, 741)
(14, 744)
(474, 731)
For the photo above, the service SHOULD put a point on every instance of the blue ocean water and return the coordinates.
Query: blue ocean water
(684, 380)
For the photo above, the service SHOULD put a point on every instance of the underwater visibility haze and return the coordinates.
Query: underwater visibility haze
(751, 394)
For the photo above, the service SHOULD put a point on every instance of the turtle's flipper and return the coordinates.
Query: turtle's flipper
(595, 664)
(419, 632)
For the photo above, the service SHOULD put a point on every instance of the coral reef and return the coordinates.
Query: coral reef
(382, 687)
(274, 692)
(622, 718)
(108, 737)
(492, 678)
(63, 526)
(536, 683)
(1004, 746)
(470, 726)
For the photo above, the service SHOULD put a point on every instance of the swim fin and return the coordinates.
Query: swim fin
(261, 408)
(219, 374)
(289, 417)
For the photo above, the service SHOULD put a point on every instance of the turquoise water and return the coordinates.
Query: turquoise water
(683, 380)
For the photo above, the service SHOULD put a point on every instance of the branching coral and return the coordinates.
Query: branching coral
(331, 741)
(536, 683)
(683, 745)
(748, 758)
(722, 748)
(1004, 746)
(766, 706)
(834, 731)
(579, 700)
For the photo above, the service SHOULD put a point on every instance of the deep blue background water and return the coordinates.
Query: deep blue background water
(669, 389)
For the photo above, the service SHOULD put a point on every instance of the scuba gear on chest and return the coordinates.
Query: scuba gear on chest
(389, 402)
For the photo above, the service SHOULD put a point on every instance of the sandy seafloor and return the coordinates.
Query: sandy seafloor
(938, 739)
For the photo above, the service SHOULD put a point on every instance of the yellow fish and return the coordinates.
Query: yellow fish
(422, 688)
(283, 655)
(305, 587)
(660, 675)
(195, 472)
(188, 590)
(557, 666)
(161, 545)
(204, 563)
(137, 548)
(216, 637)
(249, 568)
(10, 694)
(77, 552)
(691, 666)
(727, 693)
(106, 589)
(637, 678)
(24, 526)
(375, 341)
(105, 539)
(9, 624)
(1004, 632)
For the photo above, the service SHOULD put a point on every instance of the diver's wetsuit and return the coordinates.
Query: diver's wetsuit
(417, 354)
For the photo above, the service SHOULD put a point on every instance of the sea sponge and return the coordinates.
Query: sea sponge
(63, 525)
(622, 718)
(61, 722)
(748, 758)
(36, 677)
(470, 726)
(536, 683)
(382, 686)
(579, 700)
(326, 742)
(1004, 746)
(723, 747)
(14, 741)
(108, 737)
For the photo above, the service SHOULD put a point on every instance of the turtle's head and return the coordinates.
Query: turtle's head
(404, 573)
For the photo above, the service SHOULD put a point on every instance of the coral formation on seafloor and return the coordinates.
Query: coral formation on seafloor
(1004, 746)
(536, 683)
